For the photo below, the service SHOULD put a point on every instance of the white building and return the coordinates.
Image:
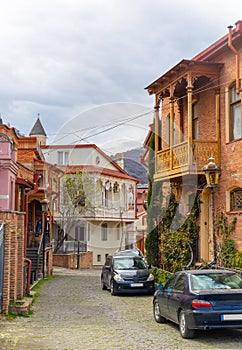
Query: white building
(102, 220)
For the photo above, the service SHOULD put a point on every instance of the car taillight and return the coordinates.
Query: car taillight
(198, 304)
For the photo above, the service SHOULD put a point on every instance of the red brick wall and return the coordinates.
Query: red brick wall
(231, 165)
(13, 257)
(69, 261)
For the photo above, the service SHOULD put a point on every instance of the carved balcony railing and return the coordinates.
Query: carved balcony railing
(115, 213)
(181, 159)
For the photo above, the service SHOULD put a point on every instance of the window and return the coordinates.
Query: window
(104, 232)
(195, 121)
(63, 158)
(235, 114)
(80, 233)
(99, 258)
(180, 283)
(171, 282)
(236, 199)
(118, 232)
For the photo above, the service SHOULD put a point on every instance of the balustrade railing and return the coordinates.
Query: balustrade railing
(178, 157)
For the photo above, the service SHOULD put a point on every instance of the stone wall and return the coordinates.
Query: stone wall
(69, 261)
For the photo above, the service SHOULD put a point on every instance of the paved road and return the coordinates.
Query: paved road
(73, 313)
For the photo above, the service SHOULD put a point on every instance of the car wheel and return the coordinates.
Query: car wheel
(184, 330)
(103, 285)
(112, 288)
(156, 312)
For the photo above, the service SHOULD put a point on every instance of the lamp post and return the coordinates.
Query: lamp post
(212, 172)
(44, 205)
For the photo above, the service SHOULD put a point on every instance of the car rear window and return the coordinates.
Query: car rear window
(216, 281)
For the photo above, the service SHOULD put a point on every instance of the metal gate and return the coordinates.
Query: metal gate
(1, 263)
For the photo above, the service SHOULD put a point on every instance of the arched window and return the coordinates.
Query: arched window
(236, 199)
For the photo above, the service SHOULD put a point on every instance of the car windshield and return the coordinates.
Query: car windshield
(129, 263)
(129, 252)
(216, 280)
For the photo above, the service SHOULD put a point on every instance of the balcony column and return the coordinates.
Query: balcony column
(157, 122)
(112, 194)
(189, 117)
(172, 120)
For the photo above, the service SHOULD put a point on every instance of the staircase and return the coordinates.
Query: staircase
(36, 257)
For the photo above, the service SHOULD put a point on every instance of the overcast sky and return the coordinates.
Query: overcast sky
(82, 65)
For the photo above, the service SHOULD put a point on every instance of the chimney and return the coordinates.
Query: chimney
(120, 159)
(238, 26)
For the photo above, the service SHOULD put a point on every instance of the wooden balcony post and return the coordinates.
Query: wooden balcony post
(172, 118)
(157, 121)
(189, 116)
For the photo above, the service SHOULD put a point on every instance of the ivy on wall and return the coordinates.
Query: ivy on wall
(175, 246)
(226, 251)
(152, 207)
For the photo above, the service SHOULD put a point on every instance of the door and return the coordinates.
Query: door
(164, 296)
(177, 296)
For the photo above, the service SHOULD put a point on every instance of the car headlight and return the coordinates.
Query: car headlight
(150, 278)
(117, 278)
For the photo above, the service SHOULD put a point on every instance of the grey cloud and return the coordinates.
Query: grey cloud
(62, 57)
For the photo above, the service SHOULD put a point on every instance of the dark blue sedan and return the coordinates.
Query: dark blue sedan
(200, 299)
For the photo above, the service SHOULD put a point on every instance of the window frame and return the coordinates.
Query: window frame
(234, 193)
(195, 121)
(63, 157)
(234, 119)
(104, 232)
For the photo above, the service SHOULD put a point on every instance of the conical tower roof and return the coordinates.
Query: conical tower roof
(37, 129)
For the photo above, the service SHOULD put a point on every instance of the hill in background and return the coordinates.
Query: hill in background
(130, 161)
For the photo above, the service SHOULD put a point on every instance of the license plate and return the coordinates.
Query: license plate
(136, 285)
(236, 317)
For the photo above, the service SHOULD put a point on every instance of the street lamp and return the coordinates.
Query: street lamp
(212, 172)
(44, 204)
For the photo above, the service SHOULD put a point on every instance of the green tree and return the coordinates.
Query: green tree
(80, 193)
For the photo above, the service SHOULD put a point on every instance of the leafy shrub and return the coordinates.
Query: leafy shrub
(237, 260)
(160, 275)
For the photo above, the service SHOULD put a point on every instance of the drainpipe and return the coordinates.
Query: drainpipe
(237, 58)
(29, 262)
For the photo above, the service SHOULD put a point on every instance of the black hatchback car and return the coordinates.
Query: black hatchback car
(127, 274)
(200, 299)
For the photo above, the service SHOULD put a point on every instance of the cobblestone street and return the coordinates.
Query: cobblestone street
(73, 313)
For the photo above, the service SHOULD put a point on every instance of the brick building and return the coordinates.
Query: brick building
(26, 179)
(198, 115)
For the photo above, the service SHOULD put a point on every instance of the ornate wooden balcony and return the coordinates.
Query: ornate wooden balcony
(180, 159)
